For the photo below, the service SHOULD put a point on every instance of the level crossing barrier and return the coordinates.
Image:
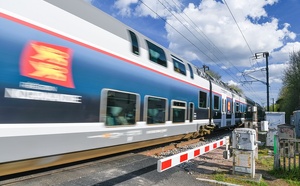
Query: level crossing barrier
(172, 161)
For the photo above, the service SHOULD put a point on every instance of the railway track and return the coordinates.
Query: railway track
(179, 146)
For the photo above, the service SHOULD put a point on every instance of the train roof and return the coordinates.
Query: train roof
(95, 16)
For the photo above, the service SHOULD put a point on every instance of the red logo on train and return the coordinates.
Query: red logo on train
(49, 63)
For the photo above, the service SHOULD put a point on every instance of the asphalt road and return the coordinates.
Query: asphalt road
(127, 170)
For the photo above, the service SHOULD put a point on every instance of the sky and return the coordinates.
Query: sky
(222, 34)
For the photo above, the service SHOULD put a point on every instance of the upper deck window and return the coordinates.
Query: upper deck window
(179, 66)
(156, 54)
(134, 43)
(191, 71)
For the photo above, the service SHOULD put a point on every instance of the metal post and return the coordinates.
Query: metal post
(266, 54)
(205, 67)
(255, 127)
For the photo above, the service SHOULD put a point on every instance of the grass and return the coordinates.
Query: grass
(265, 159)
(265, 163)
(292, 175)
(229, 179)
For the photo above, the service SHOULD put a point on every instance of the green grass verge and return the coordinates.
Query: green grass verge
(266, 161)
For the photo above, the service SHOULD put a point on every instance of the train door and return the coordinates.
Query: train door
(223, 112)
(217, 110)
(191, 112)
(203, 106)
(233, 112)
(228, 111)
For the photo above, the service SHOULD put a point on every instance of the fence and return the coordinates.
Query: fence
(286, 154)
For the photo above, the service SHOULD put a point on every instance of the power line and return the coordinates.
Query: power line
(206, 38)
(252, 53)
(189, 39)
(202, 34)
(195, 37)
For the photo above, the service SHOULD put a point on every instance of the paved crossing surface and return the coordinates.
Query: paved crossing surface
(128, 170)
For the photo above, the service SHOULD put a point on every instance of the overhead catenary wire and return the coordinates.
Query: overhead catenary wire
(233, 17)
(142, 2)
(203, 35)
(186, 37)
(214, 46)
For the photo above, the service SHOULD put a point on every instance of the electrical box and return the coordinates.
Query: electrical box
(244, 139)
(295, 120)
(244, 145)
(274, 119)
(286, 131)
(264, 126)
(270, 138)
(244, 161)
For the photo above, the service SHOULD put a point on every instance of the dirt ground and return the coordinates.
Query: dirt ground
(205, 166)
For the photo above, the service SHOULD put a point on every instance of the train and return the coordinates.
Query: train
(76, 83)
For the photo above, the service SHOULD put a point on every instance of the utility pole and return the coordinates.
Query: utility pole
(205, 67)
(266, 55)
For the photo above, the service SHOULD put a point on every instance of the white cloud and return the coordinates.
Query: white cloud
(283, 54)
(124, 6)
(214, 20)
(224, 67)
(231, 82)
(277, 72)
(152, 8)
(207, 32)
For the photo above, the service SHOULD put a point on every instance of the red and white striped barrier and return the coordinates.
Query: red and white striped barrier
(171, 161)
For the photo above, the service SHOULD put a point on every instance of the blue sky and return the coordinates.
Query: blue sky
(223, 34)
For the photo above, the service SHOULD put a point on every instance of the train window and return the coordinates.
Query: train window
(191, 71)
(179, 67)
(216, 102)
(178, 111)
(237, 107)
(243, 108)
(121, 108)
(134, 43)
(202, 99)
(156, 110)
(156, 54)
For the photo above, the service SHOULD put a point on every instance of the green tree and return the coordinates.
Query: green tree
(236, 88)
(217, 76)
(290, 92)
(214, 74)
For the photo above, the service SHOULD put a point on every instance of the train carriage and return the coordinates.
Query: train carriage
(74, 81)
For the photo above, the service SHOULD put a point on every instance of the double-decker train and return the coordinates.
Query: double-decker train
(75, 83)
